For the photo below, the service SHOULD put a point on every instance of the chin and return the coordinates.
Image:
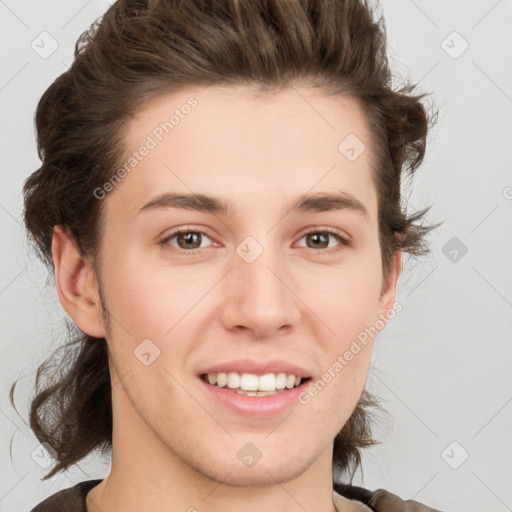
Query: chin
(266, 471)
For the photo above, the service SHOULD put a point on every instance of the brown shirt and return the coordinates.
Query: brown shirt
(347, 498)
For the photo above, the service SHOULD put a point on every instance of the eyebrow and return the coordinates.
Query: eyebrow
(305, 203)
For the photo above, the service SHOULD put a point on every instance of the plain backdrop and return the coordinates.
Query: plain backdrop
(441, 366)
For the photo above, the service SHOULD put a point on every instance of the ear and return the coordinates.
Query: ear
(387, 298)
(76, 284)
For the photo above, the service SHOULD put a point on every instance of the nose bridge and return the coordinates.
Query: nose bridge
(259, 297)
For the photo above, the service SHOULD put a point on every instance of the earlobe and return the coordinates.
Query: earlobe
(76, 284)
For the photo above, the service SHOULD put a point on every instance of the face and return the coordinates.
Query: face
(272, 283)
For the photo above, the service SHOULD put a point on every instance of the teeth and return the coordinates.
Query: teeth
(254, 385)
(222, 379)
(249, 382)
(267, 382)
(255, 393)
(233, 380)
(280, 380)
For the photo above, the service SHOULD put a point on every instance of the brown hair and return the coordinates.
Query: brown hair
(143, 48)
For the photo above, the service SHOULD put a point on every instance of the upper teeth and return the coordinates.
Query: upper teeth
(252, 382)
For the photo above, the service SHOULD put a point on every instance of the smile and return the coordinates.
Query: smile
(254, 396)
(250, 384)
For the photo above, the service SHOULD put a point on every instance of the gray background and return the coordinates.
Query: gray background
(442, 365)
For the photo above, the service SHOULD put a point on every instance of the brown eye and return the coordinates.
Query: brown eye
(186, 240)
(322, 240)
(318, 240)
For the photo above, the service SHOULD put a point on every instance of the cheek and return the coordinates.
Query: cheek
(346, 303)
(345, 298)
(149, 297)
(334, 395)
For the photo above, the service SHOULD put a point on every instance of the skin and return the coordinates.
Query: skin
(173, 447)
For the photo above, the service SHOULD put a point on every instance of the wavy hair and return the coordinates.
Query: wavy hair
(140, 49)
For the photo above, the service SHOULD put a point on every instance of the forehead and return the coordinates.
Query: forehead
(246, 145)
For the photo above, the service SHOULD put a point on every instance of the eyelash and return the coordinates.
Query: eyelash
(344, 242)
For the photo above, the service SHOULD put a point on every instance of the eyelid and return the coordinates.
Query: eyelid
(185, 229)
(345, 239)
(327, 229)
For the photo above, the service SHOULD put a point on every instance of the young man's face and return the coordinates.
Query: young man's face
(265, 290)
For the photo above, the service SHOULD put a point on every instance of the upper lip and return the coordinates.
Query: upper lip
(257, 367)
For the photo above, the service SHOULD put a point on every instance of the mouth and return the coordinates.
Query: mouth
(255, 389)
(253, 385)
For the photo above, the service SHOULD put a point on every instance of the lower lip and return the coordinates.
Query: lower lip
(256, 406)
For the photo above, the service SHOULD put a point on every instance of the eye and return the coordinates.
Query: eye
(319, 239)
(187, 240)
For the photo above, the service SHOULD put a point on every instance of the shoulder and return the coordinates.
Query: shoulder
(71, 499)
(380, 500)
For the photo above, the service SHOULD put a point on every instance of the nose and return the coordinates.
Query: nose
(259, 296)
